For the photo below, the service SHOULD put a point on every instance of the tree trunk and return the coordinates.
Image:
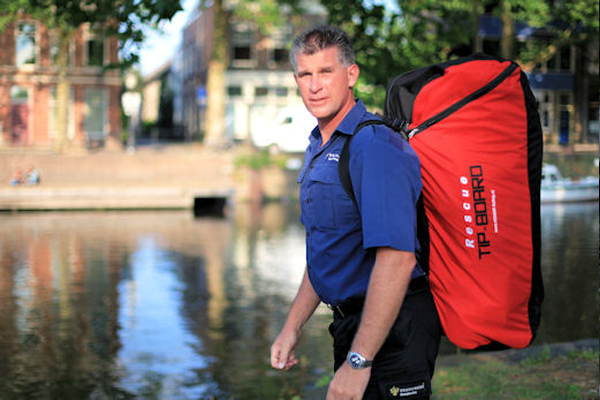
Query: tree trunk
(215, 86)
(62, 90)
(508, 31)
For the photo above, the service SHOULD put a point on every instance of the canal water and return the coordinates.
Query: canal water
(159, 304)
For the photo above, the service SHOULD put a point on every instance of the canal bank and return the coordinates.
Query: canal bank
(154, 177)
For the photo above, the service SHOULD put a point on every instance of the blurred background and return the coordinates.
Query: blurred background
(149, 237)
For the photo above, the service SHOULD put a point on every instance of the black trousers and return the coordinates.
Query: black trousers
(404, 365)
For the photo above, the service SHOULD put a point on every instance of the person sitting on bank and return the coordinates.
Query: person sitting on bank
(17, 178)
(33, 177)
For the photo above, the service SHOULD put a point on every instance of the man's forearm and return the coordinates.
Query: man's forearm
(387, 287)
(304, 305)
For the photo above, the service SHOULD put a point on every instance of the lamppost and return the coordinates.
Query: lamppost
(131, 100)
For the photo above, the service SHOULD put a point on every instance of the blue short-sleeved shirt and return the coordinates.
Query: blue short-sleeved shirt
(341, 236)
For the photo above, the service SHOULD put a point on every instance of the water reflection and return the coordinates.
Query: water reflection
(162, 305)
(122, 305)
(570, 270)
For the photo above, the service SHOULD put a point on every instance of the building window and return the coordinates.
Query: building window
(280, 56)
(94, 47)
(20, 115)
(261, 91)
(234, 91)
(95, 114)
(242, 53)
(25, 44)
(545, 119)
(565, 99)
(565, 58)
(561, 61)
(241, 46)
(95, 52)
(281, 91)
(18, 95)
(546, 110)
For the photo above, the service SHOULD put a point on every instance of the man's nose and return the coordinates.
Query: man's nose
(315, 84)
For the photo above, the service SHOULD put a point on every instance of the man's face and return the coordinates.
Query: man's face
(324, 84)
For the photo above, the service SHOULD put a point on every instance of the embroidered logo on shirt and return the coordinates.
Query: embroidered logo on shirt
(332, 157)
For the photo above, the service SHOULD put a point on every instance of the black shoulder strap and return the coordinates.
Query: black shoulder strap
(344, 174)
(344, 165)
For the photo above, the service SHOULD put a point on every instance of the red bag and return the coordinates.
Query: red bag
(473, 123)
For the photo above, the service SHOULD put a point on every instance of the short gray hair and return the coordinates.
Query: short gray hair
(319, 38)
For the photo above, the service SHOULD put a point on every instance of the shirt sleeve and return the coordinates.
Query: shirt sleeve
(388, 184)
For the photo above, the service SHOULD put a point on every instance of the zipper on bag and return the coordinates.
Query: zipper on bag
(488, 87)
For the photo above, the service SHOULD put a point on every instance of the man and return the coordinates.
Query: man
(360, 256)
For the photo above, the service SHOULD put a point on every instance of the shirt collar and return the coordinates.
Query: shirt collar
(352, 119)
(349, 123)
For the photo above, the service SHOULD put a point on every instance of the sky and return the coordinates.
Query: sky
(159, 47)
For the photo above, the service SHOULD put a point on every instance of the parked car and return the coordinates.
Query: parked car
(288, 132)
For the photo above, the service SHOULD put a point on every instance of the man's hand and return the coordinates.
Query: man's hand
(349, 383)
(304, 305)
(282, 349)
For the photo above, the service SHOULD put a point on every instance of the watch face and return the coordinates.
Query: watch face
(355, 360)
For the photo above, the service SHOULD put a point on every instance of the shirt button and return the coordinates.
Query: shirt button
(308, 200)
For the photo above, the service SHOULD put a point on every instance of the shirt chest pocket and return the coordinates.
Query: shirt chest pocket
(328, 203)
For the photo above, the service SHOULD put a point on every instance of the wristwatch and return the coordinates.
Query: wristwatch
(357, 361)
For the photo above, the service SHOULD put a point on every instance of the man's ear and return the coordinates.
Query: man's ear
(353, 72)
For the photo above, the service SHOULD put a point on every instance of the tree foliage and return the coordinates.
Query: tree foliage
(413, 33)
(124, 18)
(567, 23)
(266, 14)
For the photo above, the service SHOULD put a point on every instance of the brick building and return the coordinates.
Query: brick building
(28, 81)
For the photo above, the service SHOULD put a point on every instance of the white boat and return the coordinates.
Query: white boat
(556, 188)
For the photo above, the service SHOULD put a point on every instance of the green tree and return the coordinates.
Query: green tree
(569, 23)
(414, 33)
(123, 18)
(389, 41)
